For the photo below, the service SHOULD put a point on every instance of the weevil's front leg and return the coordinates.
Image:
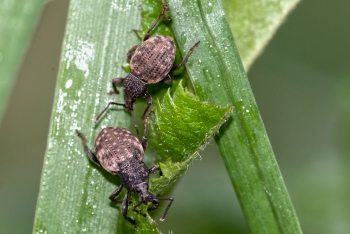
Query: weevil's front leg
(148, 98)
(138, 211)
(171, 199)
(145, 133)
(115, 194)
(106, 108)
(114, 82)
(125, 206)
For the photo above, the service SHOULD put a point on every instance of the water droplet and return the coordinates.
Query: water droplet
(69, 83)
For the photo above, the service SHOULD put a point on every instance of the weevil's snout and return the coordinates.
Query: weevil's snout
(145, 195)
(152, 199)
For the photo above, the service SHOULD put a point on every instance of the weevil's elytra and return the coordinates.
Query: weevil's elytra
(119, 152)
(115, 145)
(150, 64)
(153, 59)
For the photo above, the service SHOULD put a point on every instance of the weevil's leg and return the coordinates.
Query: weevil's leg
(165, 9)
(154, 169)
(125, 209)
(171, 199)
(104, 110)
(186, 57)
(131, 52)
(148, 98)
(91, 154)
(115, 194)
(138, 211)
(135, 124)
(114, 82)
(167, 80)
(145, 133)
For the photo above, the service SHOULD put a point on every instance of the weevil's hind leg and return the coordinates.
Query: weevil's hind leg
(125, 206)
(148, 98)
(115, 194)
(131, 52)
(189, 52)
(165, 9)
(91, 154)
(167, 80)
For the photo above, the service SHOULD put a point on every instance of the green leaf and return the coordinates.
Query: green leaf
(218, 76)
(18, 20)
(254, 22)
(182, 126)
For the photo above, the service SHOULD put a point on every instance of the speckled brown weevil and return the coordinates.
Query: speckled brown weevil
(120, 153)
(150, 63)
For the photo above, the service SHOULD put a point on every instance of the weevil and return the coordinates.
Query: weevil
(120, 153)
(150, 64)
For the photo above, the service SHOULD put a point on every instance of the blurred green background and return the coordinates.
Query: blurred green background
(301, 84)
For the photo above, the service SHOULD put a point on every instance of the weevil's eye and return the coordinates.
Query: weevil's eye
(155, 203)
(138, 190)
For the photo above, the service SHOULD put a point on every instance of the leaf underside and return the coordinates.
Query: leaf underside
(181, 127)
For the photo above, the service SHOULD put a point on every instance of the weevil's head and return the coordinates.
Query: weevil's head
(145, 195)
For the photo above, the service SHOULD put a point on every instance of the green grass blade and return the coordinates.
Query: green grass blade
(74, 194)
(254, 22)
(18, 20)
(219, 77)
